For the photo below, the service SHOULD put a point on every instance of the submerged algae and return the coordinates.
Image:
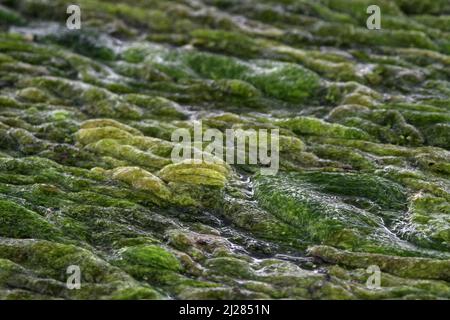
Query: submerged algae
(86, 176)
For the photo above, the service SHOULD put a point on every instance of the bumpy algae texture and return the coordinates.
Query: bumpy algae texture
(86, 176)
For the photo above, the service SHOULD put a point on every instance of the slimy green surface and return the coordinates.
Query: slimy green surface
(86, 176)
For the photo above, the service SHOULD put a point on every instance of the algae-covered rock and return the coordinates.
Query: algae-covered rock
(19, 222)
(141, 179)
(196, 172)
(151, 257)
(353, 217)
(359, 170)
(407, 267)
(48, 261)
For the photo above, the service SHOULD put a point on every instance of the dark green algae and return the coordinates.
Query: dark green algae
(86, 177)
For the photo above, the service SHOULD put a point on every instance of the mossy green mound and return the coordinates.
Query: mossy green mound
(87, 179)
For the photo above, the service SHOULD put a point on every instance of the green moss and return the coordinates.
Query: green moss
(351, 35)
(158, 106)
(418, 268)
(86, 120)
(151, 256)
(417, 7)
(298, 83)
(139, 293)
(151, 263)
(325, 212)
(313, 126)
(52, 259)
(142, 180)
(9, 17)
(346, 155)
(358, 8)
(228, 42)
(238, 88)
(87, 43)
(19, 222)
(427, 223)
(231, 267)
(438, 135)
(33, 95)
(100, 123)
(195, 173)
(130, 154)
(87, 136)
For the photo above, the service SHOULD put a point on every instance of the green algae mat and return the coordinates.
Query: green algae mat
(360, 205)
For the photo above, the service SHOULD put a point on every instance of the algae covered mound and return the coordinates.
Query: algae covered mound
(86, 172)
